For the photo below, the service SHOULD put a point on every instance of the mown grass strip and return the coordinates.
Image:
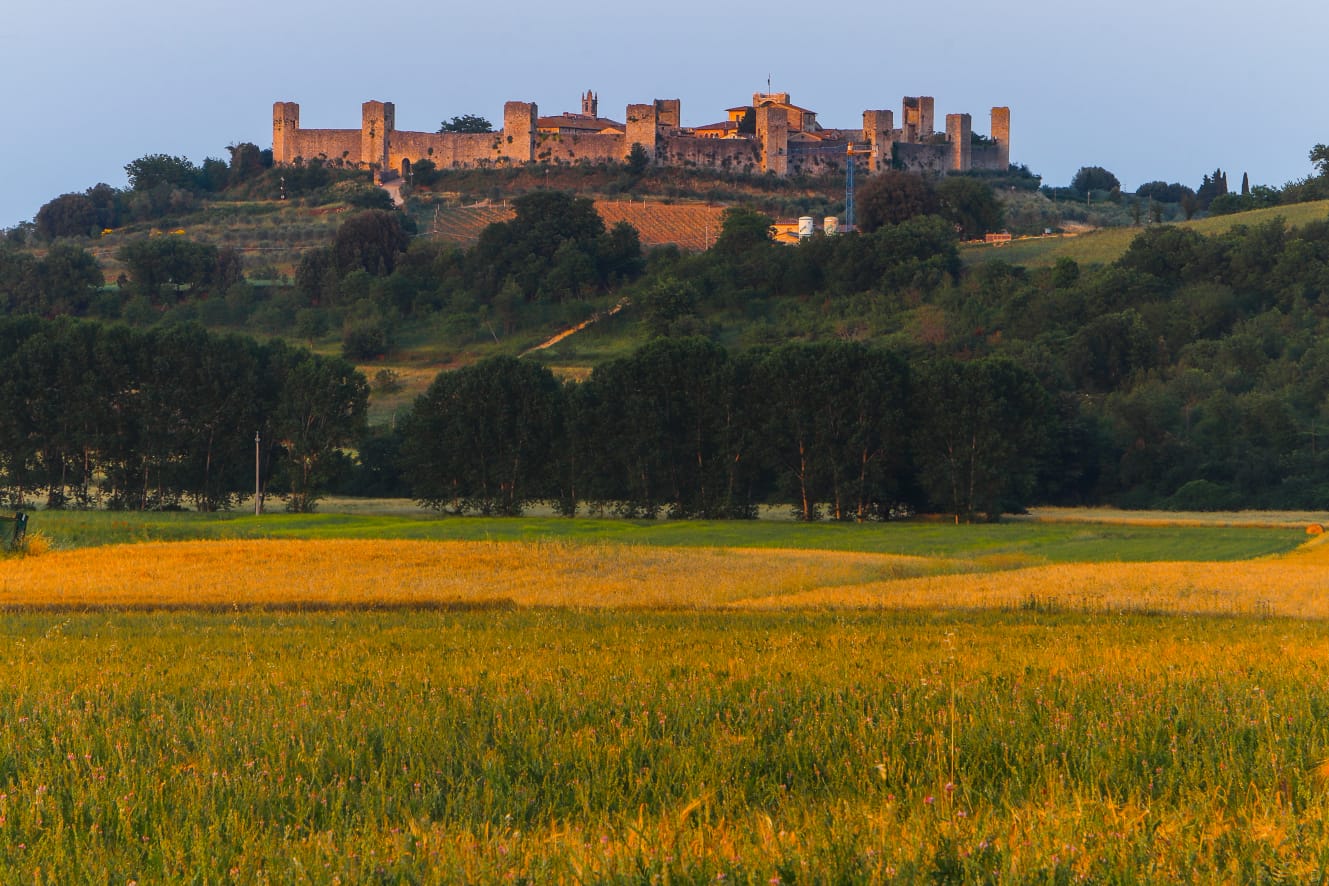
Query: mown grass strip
(1038, 541)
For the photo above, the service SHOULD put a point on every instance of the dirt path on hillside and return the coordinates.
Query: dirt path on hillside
(622, 303)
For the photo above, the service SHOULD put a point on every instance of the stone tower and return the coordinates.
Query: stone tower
(590, 104)
(285, 124)
(668, 113)
(1001, 134)
(519, 119)
(642, 129)
(377, 120)
(879, 133)
(960, 139)
(773, 134)
(918, 117)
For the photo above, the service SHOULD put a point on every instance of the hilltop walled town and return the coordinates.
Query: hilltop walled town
(771, 135)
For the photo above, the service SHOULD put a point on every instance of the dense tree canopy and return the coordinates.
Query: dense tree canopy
(682, 428)
(466, 123)
(1088, 179)
(971, 205)
(891, 197)
(370, 241)
(95, 414)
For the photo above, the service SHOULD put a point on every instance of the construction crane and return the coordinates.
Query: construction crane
(852, 151)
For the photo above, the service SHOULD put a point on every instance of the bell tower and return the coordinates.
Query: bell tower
(590, 104)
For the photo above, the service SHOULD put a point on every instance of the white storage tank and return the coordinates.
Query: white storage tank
(804, 227)
(831, 225)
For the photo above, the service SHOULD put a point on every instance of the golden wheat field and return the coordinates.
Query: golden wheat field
(428, 712)
(430, 574)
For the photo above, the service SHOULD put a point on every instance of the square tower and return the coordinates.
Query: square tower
(377, 120)
(519, 124)
(642, 129)
(668, 113)
(879, 133)
(1001, 134)
(918, 117)
(960, 139)
(773, 134)
(285, 125)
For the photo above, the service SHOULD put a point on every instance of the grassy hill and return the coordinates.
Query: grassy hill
(1108, 244)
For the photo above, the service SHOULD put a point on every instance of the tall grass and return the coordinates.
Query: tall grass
(563, 746)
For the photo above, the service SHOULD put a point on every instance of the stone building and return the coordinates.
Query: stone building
(771, 135)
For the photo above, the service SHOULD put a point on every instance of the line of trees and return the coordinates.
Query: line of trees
(685, 429)
(94, 414)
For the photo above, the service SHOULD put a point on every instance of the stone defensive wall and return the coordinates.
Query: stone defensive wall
(776, 144)
(728, 154)
(447, 150)
(580, 148)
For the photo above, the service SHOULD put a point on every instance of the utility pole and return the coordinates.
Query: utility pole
(258, 498)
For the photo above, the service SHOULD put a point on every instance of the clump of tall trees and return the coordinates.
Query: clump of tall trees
(104, 415)
(682, 428)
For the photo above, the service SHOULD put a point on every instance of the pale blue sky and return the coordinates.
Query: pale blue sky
(1166, 89)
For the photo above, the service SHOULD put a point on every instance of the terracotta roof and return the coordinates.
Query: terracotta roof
(771, 103)
(578, 122)
(724, 125)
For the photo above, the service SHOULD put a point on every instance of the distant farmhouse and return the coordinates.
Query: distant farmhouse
(770, 135)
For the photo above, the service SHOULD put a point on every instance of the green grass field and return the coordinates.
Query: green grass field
(1109, 244)
(1031, 540)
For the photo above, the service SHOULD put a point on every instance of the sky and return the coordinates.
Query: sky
(1149, 89)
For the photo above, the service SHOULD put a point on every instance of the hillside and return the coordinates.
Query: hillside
(1182, 361)
(1109, 244)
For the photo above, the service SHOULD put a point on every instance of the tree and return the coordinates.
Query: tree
(67, 277)
(1212, 186)
(971, 205)
(834, 426)
(424, 173)
(555, 247)
(981, 427)
(69, 215)
(153, 170)
(466, 123)
(1190, 204)
(891, 197)
(482, 438)
(365, 338)
(1320, 157)
(319, 410)
(247, 161)
(1094, 178)
(665, 302)
(742, 230)
(370, 241)
(1163, 192)
(620, 254)
(638, 159)
(316, 276)
(157, 261)
(657, 422)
